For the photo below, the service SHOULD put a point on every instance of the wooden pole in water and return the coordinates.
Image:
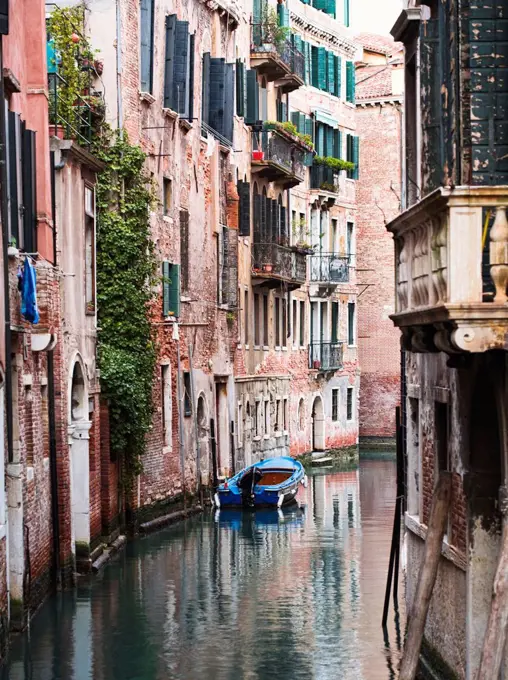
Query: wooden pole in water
(427, 576)
(495, 635)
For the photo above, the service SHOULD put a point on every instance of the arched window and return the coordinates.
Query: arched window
(256, 210)
(301, 414)
(263, 99)
(264, 225)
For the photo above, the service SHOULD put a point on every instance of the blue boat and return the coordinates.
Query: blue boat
(270, 483)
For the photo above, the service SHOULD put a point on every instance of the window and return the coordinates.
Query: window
(350, 81)
(303, 234)
(257, 329)
(335, 404)
(246, 316)
(334, 245)
(302, 323)
(257, 418)
(353, 155)
(441, 429)
(276, 321)
(301, 415)
(267, 418)
(278, 418)
(240, 423)
(184, 249)
(179, 67)
(335, 323)
(349, 239)
(218, 95)
(89, 250)
(294, 320)
(265, 320)
(167, 406)
(187, 401)
(284, 322)
(166, 195)
(285, 414)
(146, 33)
(351, 309)
(170, 289)
(349, 404)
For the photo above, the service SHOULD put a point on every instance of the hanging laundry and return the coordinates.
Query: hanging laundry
(29, 293)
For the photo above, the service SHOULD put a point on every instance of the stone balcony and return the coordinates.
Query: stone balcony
(452, 271)
(279, 62)
(274, 265)
(278, 157)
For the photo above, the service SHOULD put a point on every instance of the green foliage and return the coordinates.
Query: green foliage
(290, 128)
(272, 32)
(336, 164)
(125, 284)
(327, 186)
(64, 26)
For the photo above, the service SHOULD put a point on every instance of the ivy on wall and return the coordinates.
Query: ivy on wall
(125, 284)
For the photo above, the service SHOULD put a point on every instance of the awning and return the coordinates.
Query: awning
(322, 117)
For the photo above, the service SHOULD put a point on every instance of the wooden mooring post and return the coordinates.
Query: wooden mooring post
(427, 576)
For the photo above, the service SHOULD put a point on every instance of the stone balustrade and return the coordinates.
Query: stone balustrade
(451, 253)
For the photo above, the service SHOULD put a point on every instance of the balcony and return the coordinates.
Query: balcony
(73, 119)
(326, 356)
(278, 157)
(452, 271)
(324, 178)
(276, 59)
(328, 269)
(331, 185)
(273, 264)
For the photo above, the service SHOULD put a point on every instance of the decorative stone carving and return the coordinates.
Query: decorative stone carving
(439, 258)
(499, 254)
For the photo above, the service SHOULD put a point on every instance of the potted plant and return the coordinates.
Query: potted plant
(273, 34)
(258, 155)
(316, 364)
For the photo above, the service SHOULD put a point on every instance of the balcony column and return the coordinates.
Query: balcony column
(499, 254)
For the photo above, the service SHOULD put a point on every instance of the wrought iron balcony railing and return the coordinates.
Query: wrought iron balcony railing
(451, 266)
(326, 356)
(273, 261)
(277, 158)
(72, 118)
(328, 268)
(324, 178)
(276, 58)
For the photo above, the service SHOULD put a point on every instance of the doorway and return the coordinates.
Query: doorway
(318, 425)
(222, 420)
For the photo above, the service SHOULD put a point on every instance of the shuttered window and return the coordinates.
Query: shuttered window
(252, 113)
(241, 89)
(338, 75)
(179, 67)
(14, 195)
(283, 15)
(330, 72)
(335, 322)
(170, 289)
(350, 81)
(29, 191)
(346, 13)
(244, 208)
(218, 95)
(353, 155)
(146, 36)
(184, 249)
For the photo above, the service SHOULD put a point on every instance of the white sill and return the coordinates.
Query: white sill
(285, 433)
(247, 347)
(266, 348)
(147, 97)
(278, 434)
(167, 449)
(29, 474)
(256, 438)
(277, 348)
(284, 349)
(266, 436)
(352, 346)
(167, 219)
(257, 347)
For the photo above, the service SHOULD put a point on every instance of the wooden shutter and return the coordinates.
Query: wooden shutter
(331, 8)
(314, 66)
(329, 139)
(229, 99)
(252, 98)
(337, 144)
(180, 68)
(29, 192)
(283, 225)
(297, 42)
(170, 289)
(335, 322)
(240, 88)
(256, 205)
(307, 59)
(320, 139)
(4, 17)
(330, 64)
(146, 35)
(270, 223)
(191, 78)
(346, 13)
(320, 4)
(283, 15)
(12, 168)
(321, 54)
(205, 89)
(338, 75)
(184, 249)
(309, 127)
(169, 61)
(217, 93)
(356, 157)
(244, 208)
(350, 81)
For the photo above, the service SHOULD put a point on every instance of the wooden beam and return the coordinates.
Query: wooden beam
(495, 635)
(427, 576)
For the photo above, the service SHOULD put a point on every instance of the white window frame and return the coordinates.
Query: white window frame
(167, 406)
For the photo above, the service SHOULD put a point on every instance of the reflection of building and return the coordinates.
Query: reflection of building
(450, 272)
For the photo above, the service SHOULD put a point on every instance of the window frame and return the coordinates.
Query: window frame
(90, 226)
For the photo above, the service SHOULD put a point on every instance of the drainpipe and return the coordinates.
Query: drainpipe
(5, 247)
(119, 66)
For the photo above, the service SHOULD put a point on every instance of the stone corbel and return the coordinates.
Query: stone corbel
(80, 429)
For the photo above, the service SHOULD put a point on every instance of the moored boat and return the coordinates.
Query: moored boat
(270, 483)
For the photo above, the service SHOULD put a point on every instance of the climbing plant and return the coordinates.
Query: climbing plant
(125, 289)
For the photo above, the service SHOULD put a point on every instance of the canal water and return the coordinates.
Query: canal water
(231, 596)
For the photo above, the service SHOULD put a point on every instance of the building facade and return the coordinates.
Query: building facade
(379, 121)
(450, 266)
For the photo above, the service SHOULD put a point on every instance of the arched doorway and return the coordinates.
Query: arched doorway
(203, 433)
(79, 438)
(318, 425)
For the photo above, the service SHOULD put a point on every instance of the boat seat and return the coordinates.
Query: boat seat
(273, 477)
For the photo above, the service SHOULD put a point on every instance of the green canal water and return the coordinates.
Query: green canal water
(232, 596)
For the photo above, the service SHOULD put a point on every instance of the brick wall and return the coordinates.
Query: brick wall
(379, 193)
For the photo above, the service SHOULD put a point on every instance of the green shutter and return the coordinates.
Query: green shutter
(297, 41)
(350, 81)
(240, 88)
(338, 74)
(314, 66)
(309, 127)
(252, 112)
(321, 53)
(283, 15)
(168, 61)
(320, 139)
(337, 144)
(331, 8)
(181, 69)
(335, 322)
(329, 138)
(205, 92)
(330, 60)
(170, 289)
(146, 40)
(356, 157)
(346, 13)
(320, 4)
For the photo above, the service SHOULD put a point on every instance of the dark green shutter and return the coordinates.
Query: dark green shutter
(346, 13)
(190, 113)
(320, 4)
(314, 66)
(306, 49)
(338, 75)
(330, 64)
(217, 93)
(29, 191)
(12, 164)
(309, 127)
(283, 226)
(321, 54)
(244, 208)
(146, 39)
(320, 139)
(180, 68)
(168, 62)
(356, 157)
(205, 94)
(335, 322)
(256, 206)
(240, 88)
(329, 139)
(170, 289)
(229, 98)
(350, 81)
(298, 42)
(337, 144)
(252, 98)
(283, 15)
(331, 8)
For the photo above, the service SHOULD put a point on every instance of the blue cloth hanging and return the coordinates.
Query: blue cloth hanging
(29, 293)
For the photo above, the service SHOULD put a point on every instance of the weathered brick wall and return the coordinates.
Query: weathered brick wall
(379, 194)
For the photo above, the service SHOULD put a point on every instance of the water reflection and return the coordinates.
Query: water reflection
(291, 594)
